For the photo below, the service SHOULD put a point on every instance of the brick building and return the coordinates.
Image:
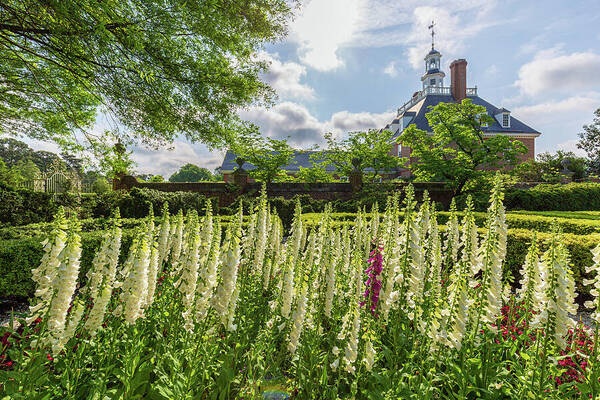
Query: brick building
(434, 92)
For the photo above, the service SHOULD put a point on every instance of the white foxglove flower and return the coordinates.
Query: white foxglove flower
(177, 240)
(163, 236)
(594, 282)
(369, 355)
(64, 283)
(557, 298)
(189, 266)
(287, 288)
(452, 243)
(298, 318)
(230, 261)
(208, 275)
(102, 275)
(530, 277)
(135, 286)
(44, 275)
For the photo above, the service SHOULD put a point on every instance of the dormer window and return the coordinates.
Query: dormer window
(503, 117)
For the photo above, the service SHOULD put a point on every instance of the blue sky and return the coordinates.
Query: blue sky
(348, 64)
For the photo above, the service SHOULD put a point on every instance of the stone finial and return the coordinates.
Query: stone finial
(240, 161)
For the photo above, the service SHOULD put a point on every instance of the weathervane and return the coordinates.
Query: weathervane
(432, 32)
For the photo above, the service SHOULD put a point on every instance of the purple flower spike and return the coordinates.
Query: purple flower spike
(373, 284)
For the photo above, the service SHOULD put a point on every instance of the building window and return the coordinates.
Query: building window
(505, 120)
(432, 82)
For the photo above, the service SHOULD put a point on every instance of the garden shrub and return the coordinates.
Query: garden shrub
(18, 257)
(570, 197)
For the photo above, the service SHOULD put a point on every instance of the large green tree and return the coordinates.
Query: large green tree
(267, 155)
(191, 173)
(372, 148)
(456, 150)
(157, 69)
(589, 141)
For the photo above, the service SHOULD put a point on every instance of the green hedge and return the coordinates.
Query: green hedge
(19, 257)
(538, 223)
(570, 197)
(579, 246)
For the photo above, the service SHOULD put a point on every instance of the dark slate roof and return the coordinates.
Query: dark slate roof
(433, 71)
(420, 120)
(433, 51)
(301, 159)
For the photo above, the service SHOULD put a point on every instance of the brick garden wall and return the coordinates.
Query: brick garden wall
(227, 193)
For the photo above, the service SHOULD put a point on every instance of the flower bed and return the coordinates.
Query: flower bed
(189, 311)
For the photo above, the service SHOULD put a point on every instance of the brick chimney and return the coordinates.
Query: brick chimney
(458, 79)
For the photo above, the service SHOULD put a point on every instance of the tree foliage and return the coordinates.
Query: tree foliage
(316, 173)
(547, 167)
(267, 155)
(373, 149)
(456, 150)
(589, 141)
(159, 69)
(191, 173)
(13, 151)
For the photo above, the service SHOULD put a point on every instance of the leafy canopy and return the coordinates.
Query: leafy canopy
(589, 141)
(372, 148)
(158, 69)
(456, 150)
(191, 173)
(267, 155)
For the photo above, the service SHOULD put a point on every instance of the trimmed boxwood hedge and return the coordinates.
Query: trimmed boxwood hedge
(514, 220)
(570, 197)
(18, 257)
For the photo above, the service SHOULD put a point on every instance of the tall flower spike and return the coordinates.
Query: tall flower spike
(230, 261)
(557, 299)
(298, 316)
(163, 235)
(469, 242)
(177, 240)
(135, 285)
(208, 274)
(491, 257)
(261, 231)
(64, 283)
(452, 242)
(102, 274)
(189, 276)
(351, 348)
(594, 282)
(44, 274)
(331, 269)
(530, 276)
(418, 242)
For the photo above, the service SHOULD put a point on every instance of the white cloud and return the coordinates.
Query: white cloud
(294, 121)
(325, 26)
(391, 69)
(322, 28)
(167, 161)
(553, 71)
(285, 78)
(491, 72)
(551, 111)
(571, 145)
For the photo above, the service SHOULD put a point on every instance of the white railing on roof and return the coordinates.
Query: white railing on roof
(418, 96)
